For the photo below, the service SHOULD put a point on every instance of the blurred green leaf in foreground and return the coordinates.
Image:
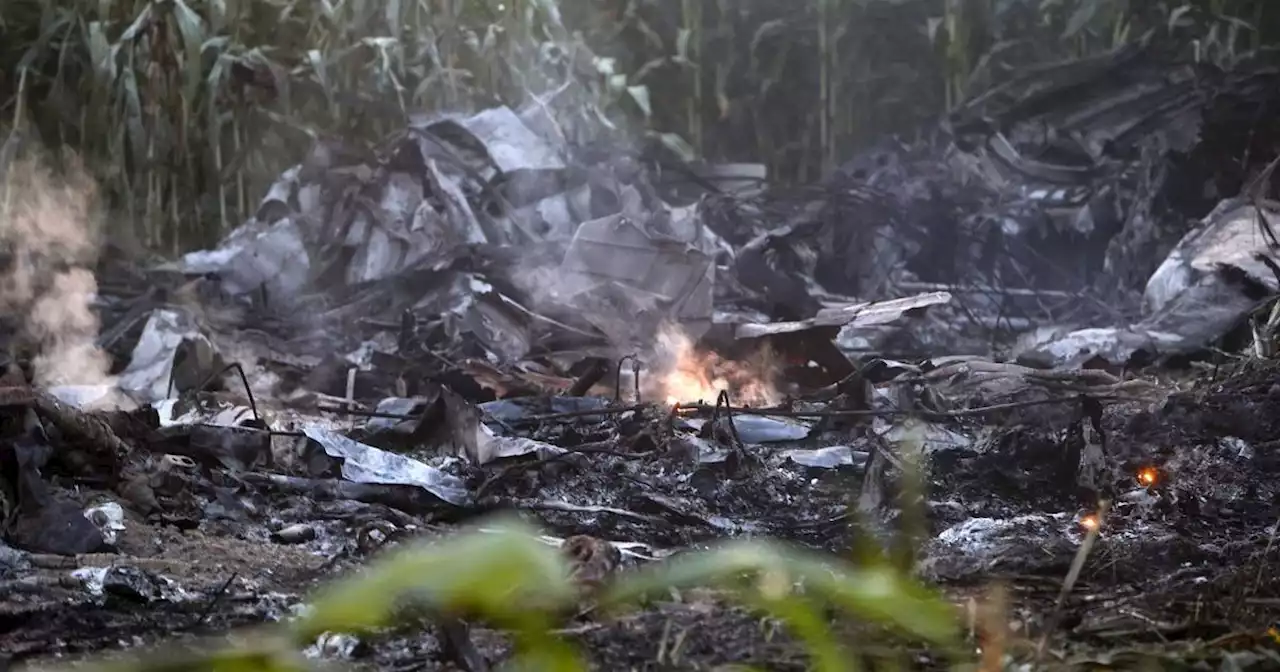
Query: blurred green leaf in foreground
(505, 576)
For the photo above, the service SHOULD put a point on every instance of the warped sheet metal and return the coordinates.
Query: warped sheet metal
(853, 315)
(617, 250)
(1232, 235)
(361, 463)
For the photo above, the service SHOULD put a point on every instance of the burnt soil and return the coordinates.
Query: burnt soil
(1182, 572)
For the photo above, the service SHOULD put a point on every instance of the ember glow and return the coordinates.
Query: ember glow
(686, 375)
(1147, 476)
(1089, 522)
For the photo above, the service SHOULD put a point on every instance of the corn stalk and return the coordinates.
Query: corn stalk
(187, 110)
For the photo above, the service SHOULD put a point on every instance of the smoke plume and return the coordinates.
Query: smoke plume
(49, 242)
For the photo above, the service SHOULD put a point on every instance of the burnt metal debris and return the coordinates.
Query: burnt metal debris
(1060, 297)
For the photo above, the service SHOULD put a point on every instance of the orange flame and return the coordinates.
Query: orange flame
(686, 375)
(1089, 522)
(1147, 476)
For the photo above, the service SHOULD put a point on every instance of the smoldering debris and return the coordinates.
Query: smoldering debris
(475, 318)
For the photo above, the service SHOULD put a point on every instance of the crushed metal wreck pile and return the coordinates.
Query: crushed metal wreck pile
(474, 320)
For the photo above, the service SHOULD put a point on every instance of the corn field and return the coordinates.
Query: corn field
(185, 109)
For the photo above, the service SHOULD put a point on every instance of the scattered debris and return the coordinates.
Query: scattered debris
(473, 320)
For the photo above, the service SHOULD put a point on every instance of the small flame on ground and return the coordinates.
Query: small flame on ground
(686, 375)
(1147, 476)
(1089, 522)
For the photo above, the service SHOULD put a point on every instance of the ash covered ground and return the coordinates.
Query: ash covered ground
(393, 349)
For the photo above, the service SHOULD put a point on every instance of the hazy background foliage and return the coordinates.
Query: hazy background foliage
(185, 109)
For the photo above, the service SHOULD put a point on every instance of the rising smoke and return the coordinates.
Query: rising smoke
(675, 368)
(49, 244)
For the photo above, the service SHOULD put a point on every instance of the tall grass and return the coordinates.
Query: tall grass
(186, 109)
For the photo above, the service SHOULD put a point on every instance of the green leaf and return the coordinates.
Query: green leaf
(640, 94)
(133, 110)
(682, 43)
(679, 146)
(507, 575)
(807, 624)
(1176, 15)
(931, 27)
(141, 21)
(1080, 18)
(191, 26)
(33, 53)
(100, 53)
(217, 15)
(765, 31)
(876, 593)
(543, 652)
(395, 24)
